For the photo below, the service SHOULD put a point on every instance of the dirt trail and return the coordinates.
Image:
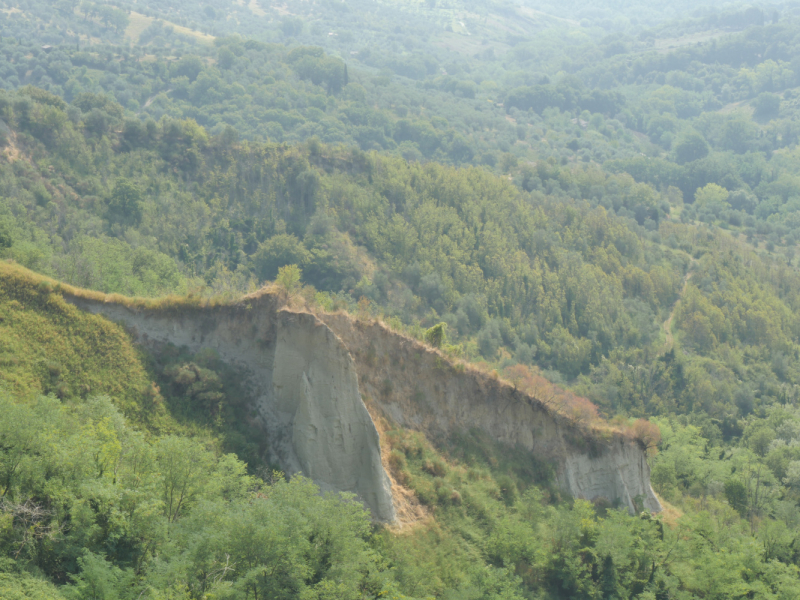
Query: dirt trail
(153, 97)
(670, 339)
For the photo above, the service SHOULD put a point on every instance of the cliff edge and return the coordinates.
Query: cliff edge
(308, 373)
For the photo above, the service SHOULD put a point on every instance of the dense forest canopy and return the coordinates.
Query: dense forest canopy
(603, 196)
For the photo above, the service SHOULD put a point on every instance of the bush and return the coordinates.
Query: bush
(435, 467)
(278, 251)
(436, 336)
(646, 433)
(289, 277)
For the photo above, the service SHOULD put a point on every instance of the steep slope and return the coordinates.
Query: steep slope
(47, 346)
(419, 388)
(308, 373)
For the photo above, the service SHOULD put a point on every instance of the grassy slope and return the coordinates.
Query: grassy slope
(47, 345)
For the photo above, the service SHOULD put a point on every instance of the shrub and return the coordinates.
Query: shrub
(646, 433)
(508, 490)
(578, 409)
(736, 494)
(434, 467)
(289, 277)
(436, 336)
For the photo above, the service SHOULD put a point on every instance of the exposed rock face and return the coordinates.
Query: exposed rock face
(333, 435)
(308, 376)
(621, 472)
(430, 394)
(302, 376)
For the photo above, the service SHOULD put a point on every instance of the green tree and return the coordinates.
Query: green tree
(278, 251)
(188, 66)
(767, 105)
(125, 203)
(712, 197)
(610, 587)
(289, 277)
(736, 495)
(690, 146)
(186, 467)
(226, 58)
(97, 580)
(6, 239)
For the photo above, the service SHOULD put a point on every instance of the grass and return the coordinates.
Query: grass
(50, 346)
(473, 487)
(136, 26)
(139, 22)
(176, 303)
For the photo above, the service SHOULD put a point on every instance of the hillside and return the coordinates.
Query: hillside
(463, 492)
(530, 284)
(494, 268)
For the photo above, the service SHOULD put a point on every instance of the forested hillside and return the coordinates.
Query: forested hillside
(600, 199)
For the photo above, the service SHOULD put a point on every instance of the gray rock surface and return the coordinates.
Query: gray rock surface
(301, 377)
(333, 436)
(620, 473)
(432, 395)
(307, 378)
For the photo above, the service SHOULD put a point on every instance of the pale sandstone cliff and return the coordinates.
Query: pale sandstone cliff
(308, 373)
(301, 375)
(418, 388)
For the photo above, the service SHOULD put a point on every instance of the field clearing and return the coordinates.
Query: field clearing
(256, 9)
(740, 107)
(462, 43)
(139, 22)
(667, 45)
(537, 15)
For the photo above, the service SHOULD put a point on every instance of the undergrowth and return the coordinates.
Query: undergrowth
(472, 486)
(204, 394)
(49, 346)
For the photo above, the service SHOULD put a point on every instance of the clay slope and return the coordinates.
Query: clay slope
(308, 373)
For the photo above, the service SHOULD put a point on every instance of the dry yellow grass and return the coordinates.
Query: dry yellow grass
(410, 512)
(256, 9)
(139, 22)
(670, 514)
(136, 26)
(172, 302)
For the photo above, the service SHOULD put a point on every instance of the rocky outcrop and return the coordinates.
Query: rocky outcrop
(301, 376)
(619, 472)
(333, 436)
(308, 374)
(417, 388)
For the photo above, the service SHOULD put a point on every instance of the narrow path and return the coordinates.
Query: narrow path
(670, 339)
(153, 97)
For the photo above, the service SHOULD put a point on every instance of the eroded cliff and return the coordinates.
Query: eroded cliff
(416, 387)
(308, 373)
(301, 375)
